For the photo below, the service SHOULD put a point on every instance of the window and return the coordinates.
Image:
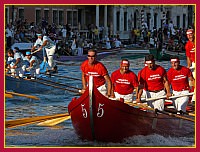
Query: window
(38, 17)
(155, 20)
(72, 18)
(184, 19)
(178, 21)
(21, 14)
(46, 15)
(55, 17)
(61, 16)
(125, 21)
(118, 18)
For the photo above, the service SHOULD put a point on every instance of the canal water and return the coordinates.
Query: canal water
(55, 101)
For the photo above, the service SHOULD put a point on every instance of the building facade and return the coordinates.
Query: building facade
(115, 19)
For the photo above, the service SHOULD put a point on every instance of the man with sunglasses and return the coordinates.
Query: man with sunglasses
(99, 72)
(178, 77)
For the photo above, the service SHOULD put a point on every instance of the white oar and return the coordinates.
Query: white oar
(172, 97)
(35, 51)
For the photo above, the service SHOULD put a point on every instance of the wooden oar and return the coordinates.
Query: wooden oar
(175, 115)
(141, 105)
(23, 95)
(32, 120)
(8, 95)
(59, 83)
(47, 84)
(64, 76)
(53, 122)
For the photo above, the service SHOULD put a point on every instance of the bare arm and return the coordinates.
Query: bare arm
(191, 78)
(189, 63)
(109, 85)
(167, 86)
(84, 82)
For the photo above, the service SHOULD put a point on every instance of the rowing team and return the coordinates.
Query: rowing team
(17, 64)
(153, 79)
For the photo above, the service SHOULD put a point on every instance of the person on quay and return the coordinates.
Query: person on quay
(190, 54)
(31, 64)
(154, 78)
(124, 81)
(50, 48)
(99, 72)
(178, 77)
(14, 63)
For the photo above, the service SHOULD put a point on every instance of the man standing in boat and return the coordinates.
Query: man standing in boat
(154, 78)
(178, 77)
(124, 81)
(99, 72)
(50, 47)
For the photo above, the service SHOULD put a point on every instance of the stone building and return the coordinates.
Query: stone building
(115, 19)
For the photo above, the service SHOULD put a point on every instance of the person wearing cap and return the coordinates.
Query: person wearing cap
(154, 78)
(190, 49)
(46, 43)
(14, 63)
(124, 81)
(178, 77)
(99, 72)
(31, 64)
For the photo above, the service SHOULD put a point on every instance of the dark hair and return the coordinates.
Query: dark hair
(149, 57)
(16, 48)
(10, 51)
(93, 50)
(174, 57)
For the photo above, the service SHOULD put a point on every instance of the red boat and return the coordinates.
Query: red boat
(98, 118)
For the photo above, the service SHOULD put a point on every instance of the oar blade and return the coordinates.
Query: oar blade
(53, 122)
(32, 120)
(7, 95)
(23, 95)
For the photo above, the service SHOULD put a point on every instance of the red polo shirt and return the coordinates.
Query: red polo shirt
(190, 50)
(98, 71)
(179, 78)
(124, 83)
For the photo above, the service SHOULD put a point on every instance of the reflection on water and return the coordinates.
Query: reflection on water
(55, 101)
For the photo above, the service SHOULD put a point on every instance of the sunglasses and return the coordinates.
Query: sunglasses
(91, 56)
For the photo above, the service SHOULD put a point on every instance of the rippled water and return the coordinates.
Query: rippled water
(56, 101)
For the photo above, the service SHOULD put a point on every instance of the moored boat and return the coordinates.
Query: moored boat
(95, 117)
(100, 54)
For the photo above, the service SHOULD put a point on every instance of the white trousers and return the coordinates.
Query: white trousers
(180, 103)
(50, 52)
(128, 97)
(156, 104)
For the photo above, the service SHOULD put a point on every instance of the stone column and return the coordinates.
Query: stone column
(114, 20)
(97, 16)
(105, 21)
(121, 20)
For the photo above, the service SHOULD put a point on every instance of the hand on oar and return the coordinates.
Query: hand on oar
(23, 95)
(36, 119)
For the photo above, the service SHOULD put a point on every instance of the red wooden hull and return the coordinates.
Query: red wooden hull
(110, 120)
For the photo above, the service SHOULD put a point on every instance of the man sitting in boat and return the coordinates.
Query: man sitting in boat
(50, 48)
(16, 50)
(99, 73)
(14, 63)
(31, 64)
(154, 78)
(178, 77)
(124, 81)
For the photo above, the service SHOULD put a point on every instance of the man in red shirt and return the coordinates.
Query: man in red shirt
(154, 78)
(124, 81)
(99, 73)
(190, 49)
(178, 76)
